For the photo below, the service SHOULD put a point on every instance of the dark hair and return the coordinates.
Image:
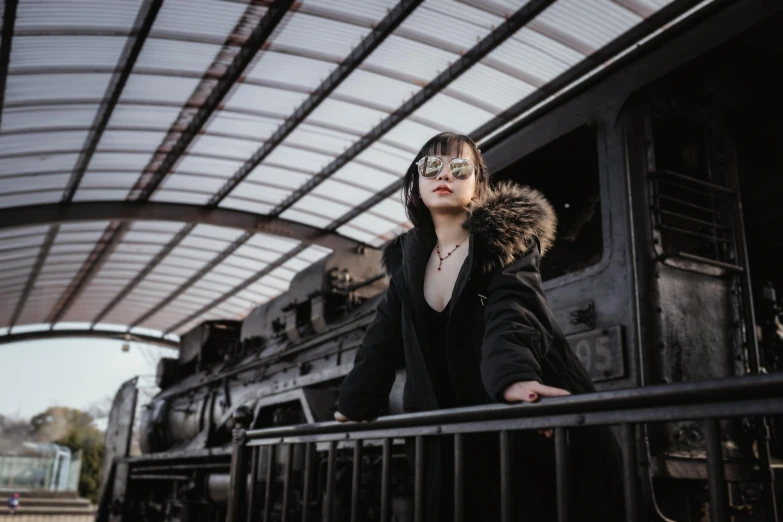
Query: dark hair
(443, 143)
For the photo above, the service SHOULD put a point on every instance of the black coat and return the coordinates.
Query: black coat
(500, 331)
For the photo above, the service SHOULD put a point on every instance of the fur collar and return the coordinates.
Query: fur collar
(503, 224)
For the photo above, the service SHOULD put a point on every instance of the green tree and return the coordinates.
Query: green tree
(74, 428)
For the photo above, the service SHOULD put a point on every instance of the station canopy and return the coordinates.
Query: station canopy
(163, 163)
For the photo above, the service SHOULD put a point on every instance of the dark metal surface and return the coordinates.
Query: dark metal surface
(329, 501)
(359, 53)
(506, 502)
(718, 494)
(519, 19)
(459, 478)
(562, 477)
(270, 476)
(289, 466)
(148, 12)
(356, 480)
(385, 480)
(418, 487)
(308, 472)
(630, 472)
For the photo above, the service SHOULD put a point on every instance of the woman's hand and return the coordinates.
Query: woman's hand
(530, 391)
(339, 417)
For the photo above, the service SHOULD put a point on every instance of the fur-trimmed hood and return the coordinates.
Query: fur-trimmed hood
(502, 224)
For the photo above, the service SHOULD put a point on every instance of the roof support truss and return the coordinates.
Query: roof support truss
(141, 29)
(126, 211)
(370, 42)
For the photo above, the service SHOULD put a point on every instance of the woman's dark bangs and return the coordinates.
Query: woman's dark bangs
(445, 144)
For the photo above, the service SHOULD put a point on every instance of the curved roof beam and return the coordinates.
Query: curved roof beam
(99, 334)
(125, 211)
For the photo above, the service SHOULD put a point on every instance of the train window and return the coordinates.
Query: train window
(566, 172)
(691, 200)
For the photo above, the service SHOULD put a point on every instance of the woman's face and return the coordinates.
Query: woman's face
(444, 191)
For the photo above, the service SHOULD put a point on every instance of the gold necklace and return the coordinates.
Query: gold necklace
(437, 249)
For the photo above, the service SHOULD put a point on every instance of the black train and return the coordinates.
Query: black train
(665, 172)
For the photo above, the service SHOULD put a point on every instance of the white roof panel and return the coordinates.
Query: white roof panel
(291, 69)
(65, 51)
(36, 143)
(92, 14)
(47, 117)
(175, 55)
(157, 88)
(60, 87)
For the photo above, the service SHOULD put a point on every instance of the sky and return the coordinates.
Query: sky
(77, 373)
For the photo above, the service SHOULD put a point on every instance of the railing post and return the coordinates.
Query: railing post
(237, 492)
(505, 477)
(357, 480)
(717, 482)
(562, 476)
(630, 473)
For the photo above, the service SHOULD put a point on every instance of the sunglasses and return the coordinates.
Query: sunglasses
(430, 166)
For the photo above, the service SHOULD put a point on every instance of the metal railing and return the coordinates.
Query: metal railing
(707, 401)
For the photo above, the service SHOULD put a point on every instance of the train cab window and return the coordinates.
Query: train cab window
(691, 199)
(566, 172)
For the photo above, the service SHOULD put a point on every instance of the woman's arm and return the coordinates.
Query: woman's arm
(518, 331)
(365, 391)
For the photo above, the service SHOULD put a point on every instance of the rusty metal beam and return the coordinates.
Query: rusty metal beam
(9, 20)
(242, 59)
(175, 212)
(500, 34)
(141, 29)
(100, 334)
(370, 42)
(238, 288)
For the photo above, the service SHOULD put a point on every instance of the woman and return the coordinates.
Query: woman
(465, 313)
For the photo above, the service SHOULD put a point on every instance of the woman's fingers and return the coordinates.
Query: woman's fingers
(517, 392)
(339, 417)
(543, 390)
(530, 391)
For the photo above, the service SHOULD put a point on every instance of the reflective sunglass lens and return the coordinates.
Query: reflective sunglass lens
(429, 166)
(461, 168)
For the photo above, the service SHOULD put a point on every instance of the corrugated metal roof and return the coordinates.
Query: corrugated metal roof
(67, 57)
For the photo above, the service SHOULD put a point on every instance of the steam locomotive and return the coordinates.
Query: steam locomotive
(665, 172)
